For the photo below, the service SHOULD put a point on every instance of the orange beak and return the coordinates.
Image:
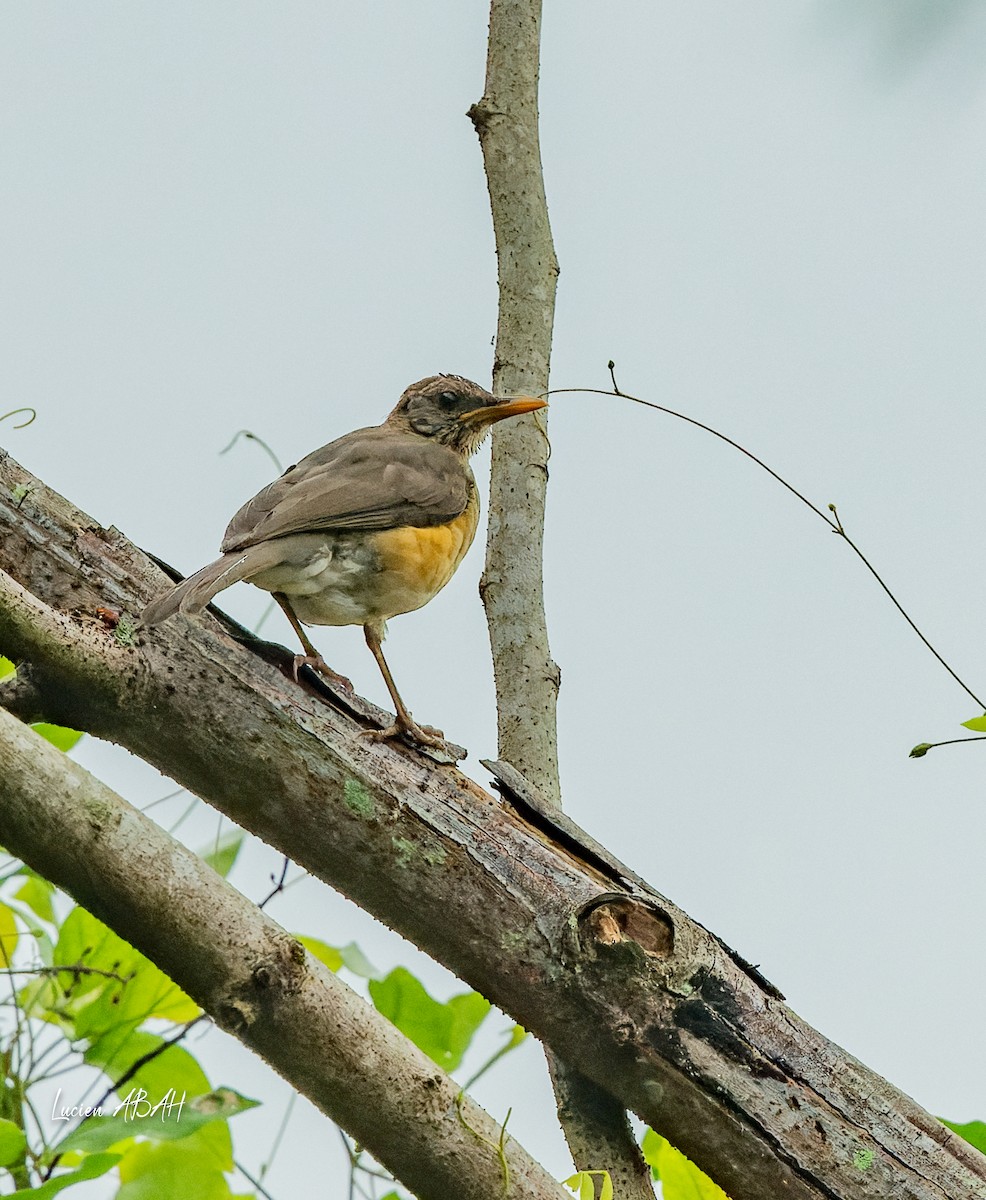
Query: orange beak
(506, 408)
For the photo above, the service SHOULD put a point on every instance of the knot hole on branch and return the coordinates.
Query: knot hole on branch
(612, 921)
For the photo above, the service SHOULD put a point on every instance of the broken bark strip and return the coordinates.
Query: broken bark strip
(607, 971)
(253, 978)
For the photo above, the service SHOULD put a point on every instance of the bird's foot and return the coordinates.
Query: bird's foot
(424, 735)
(318, 663)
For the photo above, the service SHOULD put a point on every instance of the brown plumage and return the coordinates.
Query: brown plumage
(370, 526)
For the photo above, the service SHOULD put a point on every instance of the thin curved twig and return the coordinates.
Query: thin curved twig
(25, 409)
(833, 522)
(246, 433)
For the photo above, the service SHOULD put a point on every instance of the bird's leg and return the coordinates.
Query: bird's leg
(405, 723)
(311, 657)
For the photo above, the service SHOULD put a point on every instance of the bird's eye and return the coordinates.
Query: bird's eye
(448, 399)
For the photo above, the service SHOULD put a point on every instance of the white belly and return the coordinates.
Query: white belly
(326, 579)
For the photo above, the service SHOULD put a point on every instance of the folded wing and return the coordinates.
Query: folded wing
(367, 480)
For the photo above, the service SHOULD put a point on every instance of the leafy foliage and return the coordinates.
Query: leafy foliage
(93, 997)
(92, 1167)
(680, 1178)
(165, 1130)
(13, 1143)
(974, 1132)
(442, 1031)
(583, 1183)
(222, 855)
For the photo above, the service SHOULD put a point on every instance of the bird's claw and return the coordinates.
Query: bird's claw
(318, 663)
(424, 735)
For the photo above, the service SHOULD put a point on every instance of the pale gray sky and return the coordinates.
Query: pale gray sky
(220, 216)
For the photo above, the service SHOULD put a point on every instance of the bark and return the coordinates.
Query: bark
(506, 120)
(598, 1132)
(527, 680)
(253, 978)
(574, 947)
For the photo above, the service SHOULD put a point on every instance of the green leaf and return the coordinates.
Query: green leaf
(6, 667)
(442, 1031)
(172, 1067)
(91, 1167)
(13, 1143)
(974, 1132)
(8, 935)
(582, 1183)
(60, 737)
(652, 1148)
(105, 1008)
(101, 1005)
(680, 1178)
(353, 959)
(172, 1070)
(163, 1117)
(193, 1168)
(328, 955)
(94, 1136)
(36, 893)
(976, 724)
(223, 852)
(184, 1170)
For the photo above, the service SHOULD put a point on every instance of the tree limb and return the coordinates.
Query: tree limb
(253, 978)
(598, 1132)
(506, 120)
(575, 948)
(527, 680)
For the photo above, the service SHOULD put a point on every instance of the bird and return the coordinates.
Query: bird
(366, 528)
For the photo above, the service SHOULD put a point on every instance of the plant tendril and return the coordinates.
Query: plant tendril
(834, 523)
(26, 409)
(246, 433)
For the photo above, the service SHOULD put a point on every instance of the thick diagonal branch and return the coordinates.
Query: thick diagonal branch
(573, 946)
(254, 980)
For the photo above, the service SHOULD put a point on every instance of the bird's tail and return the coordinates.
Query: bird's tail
(195, 592)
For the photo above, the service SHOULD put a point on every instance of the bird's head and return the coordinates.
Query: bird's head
(455, 411)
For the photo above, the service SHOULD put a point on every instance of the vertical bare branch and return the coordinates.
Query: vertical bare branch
(506, 119)
(527, 679)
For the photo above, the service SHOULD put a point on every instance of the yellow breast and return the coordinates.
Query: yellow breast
(415, 564)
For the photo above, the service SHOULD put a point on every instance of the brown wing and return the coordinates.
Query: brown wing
(375, 478)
